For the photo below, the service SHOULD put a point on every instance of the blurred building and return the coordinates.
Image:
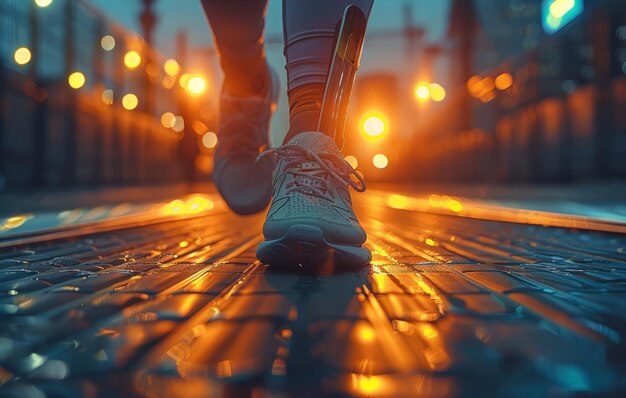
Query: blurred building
(537, 96)
(85, 102)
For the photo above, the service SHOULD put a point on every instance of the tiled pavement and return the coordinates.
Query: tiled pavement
(450, 306)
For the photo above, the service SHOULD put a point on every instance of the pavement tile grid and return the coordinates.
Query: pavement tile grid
(449, 307)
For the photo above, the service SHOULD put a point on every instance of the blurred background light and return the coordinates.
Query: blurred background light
(171, 67)
(373, 126)
(196, 85)
(179, 124)
(209, 140)
(504, 81)
(107, 43)
(132, 59)
(76, 80)
(22, 56)
(422, 92)
(107, 97)
(168, 119)
(130, 102)
(43, 3)
(380, 161)
(437, 92)
(352, 161)
(558, 13)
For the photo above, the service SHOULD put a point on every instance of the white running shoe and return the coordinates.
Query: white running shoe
(310, 222)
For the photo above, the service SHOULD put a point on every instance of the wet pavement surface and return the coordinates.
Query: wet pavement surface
(172, 302)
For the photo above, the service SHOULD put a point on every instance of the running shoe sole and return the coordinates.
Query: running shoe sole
(304, 246)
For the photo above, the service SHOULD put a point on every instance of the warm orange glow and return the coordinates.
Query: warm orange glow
(209, 140)
(352, 161)
(132, 59)
(184, 78)
(199, 127)
(107, 43)
(204, 163)
(380, 161)
(196, 85)
(447, 202)
(422, 92)
(15, 221)
(437, 92)
(373, 126)
(107, 97)
(168, 119)
(483, 89)
(171, 67)
(22, 56)
(366, 385)
(366, 334)
(431, 242)
(76, 80)
(504, 81)
(130, 102)
(398, 201)
(193, 205)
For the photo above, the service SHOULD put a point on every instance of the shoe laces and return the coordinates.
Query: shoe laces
(312, 181)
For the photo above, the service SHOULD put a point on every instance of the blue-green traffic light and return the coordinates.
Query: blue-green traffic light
(558, 13)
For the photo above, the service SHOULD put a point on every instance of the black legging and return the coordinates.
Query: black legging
(309, 28)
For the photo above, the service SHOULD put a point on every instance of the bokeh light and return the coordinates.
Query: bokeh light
(130, 102)
(504, 81)
(437, 92)
(422, 92)
(196, 85)
(373, 126)
(107, 43)
(168, 119)
(76, 80)
(43, 3)
(132, 59)
(179, 124)
(209, 140)
(107, 97)
(352, 161)
(380, 161)
(171, 67)
(22, 56)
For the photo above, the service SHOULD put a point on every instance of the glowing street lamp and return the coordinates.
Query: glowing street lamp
(422, 92)
(196, 85)
(373, 126)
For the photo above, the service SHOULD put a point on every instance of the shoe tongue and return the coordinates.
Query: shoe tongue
(316, 142)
